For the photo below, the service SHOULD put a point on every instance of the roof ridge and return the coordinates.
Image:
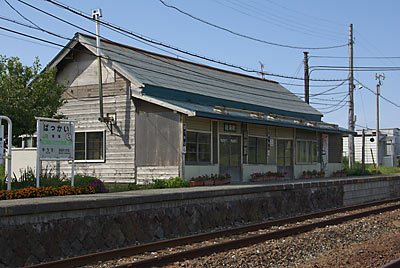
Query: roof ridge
(177, 59)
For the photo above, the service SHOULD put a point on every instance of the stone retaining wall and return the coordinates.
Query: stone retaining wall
(45, 229)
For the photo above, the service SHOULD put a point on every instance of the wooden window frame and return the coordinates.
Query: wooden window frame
(311, 158)
(197, 162)
(86, 149)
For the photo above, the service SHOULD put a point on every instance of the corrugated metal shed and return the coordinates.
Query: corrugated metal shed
(166, 72)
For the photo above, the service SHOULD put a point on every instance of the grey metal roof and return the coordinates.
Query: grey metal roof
(163, 71)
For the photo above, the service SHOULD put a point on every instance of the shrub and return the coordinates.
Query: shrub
(98, 186)
(176, 182)
(30, 192)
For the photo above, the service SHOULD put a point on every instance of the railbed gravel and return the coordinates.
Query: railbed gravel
(367, 242)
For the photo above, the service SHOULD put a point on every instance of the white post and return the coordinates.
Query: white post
(9, 151)
(38, 167)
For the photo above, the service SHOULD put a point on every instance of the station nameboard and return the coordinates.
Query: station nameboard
(56, 140)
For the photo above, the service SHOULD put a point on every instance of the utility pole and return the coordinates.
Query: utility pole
(306, 79)
(363, 153)
(351, 99)
(96, 15)
(378, 92)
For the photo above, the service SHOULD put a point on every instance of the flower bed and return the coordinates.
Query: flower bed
(213, 179)
(339, 174)
(30, 192)
(266, 176)
(312, 174)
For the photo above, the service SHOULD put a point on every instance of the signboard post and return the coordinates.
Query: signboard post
(1, 144)
(56, 142)
(9, 149)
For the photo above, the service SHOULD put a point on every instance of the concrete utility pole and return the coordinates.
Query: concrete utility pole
(378, 89)
(306, 79)
(363, 153)
(351, 100)
(96, 15)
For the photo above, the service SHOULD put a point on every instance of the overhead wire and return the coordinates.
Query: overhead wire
(305, 15)
(338, 106)
(91, 32)
(355, 57)
(196, 81)
(380, 95)
(152, 70)
(264, 15)
(246, 36)
(119, 29)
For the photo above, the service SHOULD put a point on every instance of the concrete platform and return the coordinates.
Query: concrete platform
(43, 229)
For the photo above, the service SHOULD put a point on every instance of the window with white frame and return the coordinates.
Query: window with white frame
(198, 148)
(306, 151)
(90, 145)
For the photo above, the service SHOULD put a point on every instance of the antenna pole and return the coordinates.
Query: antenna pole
(96, 15)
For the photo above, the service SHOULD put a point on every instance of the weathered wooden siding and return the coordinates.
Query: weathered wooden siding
(119, 161)
(83, 106)
(158, 136)
(80, 69)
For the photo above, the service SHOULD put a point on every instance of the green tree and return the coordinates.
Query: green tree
(26, 92)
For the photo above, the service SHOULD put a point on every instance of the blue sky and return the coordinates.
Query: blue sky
(293, 23)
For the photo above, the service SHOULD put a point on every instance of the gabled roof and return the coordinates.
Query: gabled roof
(150, 70)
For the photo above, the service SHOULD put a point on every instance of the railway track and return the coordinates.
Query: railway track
(243, 237)
(393, 264)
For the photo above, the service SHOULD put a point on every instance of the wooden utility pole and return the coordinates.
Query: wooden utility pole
(351, 100)
(306, 79)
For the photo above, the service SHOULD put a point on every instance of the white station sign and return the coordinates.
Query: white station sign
(56, 140)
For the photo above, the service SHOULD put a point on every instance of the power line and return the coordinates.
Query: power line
(25, 18)
(246, 36)
(119, 30)
(38, 28)
(338, 106)
(271, 17)
(360, 68)
(152, 70)
(391, 102)
(356, 57)
(90, 32)
(305, 15)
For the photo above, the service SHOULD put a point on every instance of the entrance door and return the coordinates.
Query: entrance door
(285, 157)
(230, 156)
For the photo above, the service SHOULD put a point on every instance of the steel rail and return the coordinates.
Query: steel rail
(393, 264)
(250, 240)
(153, 246)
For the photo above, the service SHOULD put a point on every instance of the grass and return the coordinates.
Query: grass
(369, 169)
(2, 171)
(384, 170)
